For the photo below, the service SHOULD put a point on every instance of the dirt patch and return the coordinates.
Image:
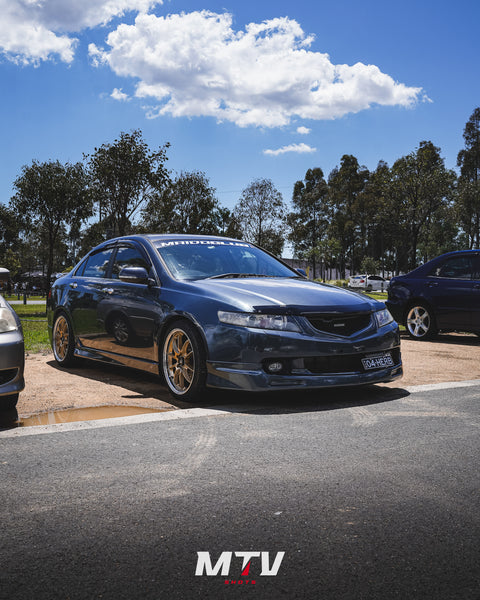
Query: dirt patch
(454, 357)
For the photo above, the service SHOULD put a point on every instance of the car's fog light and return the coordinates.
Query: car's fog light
(275, 367)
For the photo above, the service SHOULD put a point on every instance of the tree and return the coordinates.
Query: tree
(309, 219)
(49, 196)
(349, 218)
(260, 214)
(421, 186)
(369, 265)
(468, 202)
(187, 205)
(9, 233)
(123, 177)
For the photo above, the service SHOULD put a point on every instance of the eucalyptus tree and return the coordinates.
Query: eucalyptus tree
(187, 205)
(124, 175)
(261, 214)
(468, 200)
(421, 186)
(308, 221)
(48, 197)
(9, 233)
(346, 187)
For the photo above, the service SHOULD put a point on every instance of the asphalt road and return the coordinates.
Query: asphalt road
(371, 494)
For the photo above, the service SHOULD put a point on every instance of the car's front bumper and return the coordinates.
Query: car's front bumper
(310, 361)
(12, 363)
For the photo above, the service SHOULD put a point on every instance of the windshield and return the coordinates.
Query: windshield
(203, 259)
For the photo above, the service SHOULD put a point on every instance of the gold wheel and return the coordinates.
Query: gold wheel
(61, 338)
(178, 361)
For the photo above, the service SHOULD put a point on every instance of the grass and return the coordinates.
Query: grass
(34, 325)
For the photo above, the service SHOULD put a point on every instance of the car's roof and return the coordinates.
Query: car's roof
(158, 237)
(418, 271)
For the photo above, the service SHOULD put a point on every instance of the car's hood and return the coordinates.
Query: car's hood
(279, 295)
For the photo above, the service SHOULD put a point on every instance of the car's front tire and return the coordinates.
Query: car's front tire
(420, 322)
(184, 362)
(63, 341)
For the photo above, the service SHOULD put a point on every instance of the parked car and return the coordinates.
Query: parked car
(217, 312)
(441, 295)
(12, 356)
(373, 283)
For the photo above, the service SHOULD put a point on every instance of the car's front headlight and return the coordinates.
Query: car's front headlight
(258, 321)
(7, 320)
(383, 317)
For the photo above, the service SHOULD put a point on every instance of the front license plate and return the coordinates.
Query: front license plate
(379, 361)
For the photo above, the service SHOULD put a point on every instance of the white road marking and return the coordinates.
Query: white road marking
(191, 413)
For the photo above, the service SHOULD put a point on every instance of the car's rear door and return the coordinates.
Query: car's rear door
(85, 295)
(450, 289)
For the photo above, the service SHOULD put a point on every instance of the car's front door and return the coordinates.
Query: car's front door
(476, 295)
(130, 311)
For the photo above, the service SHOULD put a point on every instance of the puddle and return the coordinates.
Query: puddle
(85, 414)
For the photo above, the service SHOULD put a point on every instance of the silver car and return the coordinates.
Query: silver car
(12, 356)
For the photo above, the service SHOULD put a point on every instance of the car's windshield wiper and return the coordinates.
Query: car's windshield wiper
(235, 275)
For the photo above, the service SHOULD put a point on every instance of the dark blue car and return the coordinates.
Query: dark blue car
(216, 312)
(441, 295)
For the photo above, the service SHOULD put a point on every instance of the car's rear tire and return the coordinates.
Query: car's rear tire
(8, 402)
(63, 341)
(420, 322)
(183, 362)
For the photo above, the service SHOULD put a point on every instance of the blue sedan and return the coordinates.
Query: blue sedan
(216, 312)
(441, 295)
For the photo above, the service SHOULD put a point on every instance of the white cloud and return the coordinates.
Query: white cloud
(35, 30)
(117, 94)
(297, 148)
(196, 64)
(303, 130)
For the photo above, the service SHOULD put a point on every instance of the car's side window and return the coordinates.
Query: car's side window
(97, 264)
(457, 267)
(79, 270)
(128, 257)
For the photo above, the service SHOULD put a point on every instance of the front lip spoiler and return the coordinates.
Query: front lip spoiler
(256, 380)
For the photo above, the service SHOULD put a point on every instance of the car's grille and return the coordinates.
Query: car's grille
(351, 363)
(340, 324)
(7, 375)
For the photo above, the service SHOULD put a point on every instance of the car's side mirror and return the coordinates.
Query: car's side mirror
(134, 275)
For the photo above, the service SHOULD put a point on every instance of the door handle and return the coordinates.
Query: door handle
(73, 285)
(107, 290)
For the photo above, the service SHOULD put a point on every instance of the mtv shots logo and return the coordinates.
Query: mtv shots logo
(239, 568)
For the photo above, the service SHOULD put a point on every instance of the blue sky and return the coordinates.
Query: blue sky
(241, 90)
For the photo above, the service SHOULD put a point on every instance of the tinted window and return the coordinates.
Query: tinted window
(79, 270)
(128, 257)
(189, 259)
(97, 264)
(456, 267)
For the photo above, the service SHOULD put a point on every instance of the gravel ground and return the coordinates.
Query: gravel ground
(452, 357)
